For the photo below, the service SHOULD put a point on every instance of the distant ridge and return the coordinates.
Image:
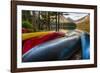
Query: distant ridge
(65, 20)
(84, 24)
(82, 19)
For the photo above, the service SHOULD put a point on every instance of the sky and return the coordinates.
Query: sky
(75, 16)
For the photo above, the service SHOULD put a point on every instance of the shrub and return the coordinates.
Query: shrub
(26, 24)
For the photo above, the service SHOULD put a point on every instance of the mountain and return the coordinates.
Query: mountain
(82, 19)
(81, 24)
(65, 20)
(84, 23)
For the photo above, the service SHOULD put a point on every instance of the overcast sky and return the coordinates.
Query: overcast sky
(75, 16)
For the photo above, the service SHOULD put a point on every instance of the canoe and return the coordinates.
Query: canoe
(85, 40)
(26, 36)
(29, 43)
(58, 49)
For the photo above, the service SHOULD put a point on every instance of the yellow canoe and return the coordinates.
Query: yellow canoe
(34, 34)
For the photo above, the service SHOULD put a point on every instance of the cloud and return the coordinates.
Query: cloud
(75, 16)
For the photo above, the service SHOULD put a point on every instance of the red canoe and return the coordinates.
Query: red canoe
(29, 43)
